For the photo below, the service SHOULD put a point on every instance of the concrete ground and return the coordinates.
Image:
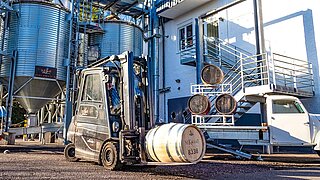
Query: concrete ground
(35, 161)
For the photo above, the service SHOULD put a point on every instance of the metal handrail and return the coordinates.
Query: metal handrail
(227, 44)
(293, 64)
(289, 57)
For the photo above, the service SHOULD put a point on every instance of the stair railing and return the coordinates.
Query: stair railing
(244, 70)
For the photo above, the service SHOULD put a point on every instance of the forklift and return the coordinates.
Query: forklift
(112, 116)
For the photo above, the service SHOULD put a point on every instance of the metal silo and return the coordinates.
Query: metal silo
(118, 36)
(39, 33)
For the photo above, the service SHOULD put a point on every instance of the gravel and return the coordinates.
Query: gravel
(50, 164)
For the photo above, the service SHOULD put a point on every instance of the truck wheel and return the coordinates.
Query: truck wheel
(110, 157)
(69, 153)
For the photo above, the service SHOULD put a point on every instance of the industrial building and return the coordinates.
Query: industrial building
(283, 30)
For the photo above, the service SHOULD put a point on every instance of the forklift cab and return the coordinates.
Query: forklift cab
(97, 116)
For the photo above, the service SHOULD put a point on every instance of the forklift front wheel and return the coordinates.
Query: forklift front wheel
(69, 153)
(110, 157)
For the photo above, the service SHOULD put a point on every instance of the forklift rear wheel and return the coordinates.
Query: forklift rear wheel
(69, 153)
(110, 157)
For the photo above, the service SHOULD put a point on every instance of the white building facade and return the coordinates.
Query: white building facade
(291, 30)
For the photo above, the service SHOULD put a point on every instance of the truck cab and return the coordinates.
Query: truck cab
(289, 122)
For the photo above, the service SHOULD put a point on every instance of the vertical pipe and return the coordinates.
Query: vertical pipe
(258, 26)
(9, 101)
(68, 106)
(260, 49)
(163, 68)
(260, 41)
(156, 65)
(198, 53)
(150, 69)
(144, 98)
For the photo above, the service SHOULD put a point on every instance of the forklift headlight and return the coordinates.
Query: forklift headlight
(115, 126)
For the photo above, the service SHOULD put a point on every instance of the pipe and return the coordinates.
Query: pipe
(9, 101)
(260, 41)
(163, 68)
(198, 53)
(258, 27)
(149, 64)
(68, 105)
(154, 21)
(156, 66)
(260, 49)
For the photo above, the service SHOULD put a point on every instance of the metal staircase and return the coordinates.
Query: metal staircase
(248, 77)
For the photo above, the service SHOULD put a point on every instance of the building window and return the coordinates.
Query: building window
(185, 37)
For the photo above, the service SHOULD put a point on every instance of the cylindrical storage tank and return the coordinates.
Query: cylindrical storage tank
(175, 143)
(199, 104)
(211, 74)
(225, 104)
(39, 33)
(118, 37)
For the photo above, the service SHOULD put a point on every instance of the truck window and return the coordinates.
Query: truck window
(92, 89)
(286, 106)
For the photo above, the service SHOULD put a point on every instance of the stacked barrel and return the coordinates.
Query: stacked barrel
(199, 104)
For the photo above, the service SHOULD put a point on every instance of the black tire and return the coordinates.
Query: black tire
(318, 152)
(69, 153)
(110, 157)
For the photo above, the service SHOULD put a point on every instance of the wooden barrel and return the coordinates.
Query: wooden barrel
(225, 104)
(175, 142)
(211, 74)
(199, 104)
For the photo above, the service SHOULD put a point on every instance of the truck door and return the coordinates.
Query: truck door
(89, 111)
(288, 121)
